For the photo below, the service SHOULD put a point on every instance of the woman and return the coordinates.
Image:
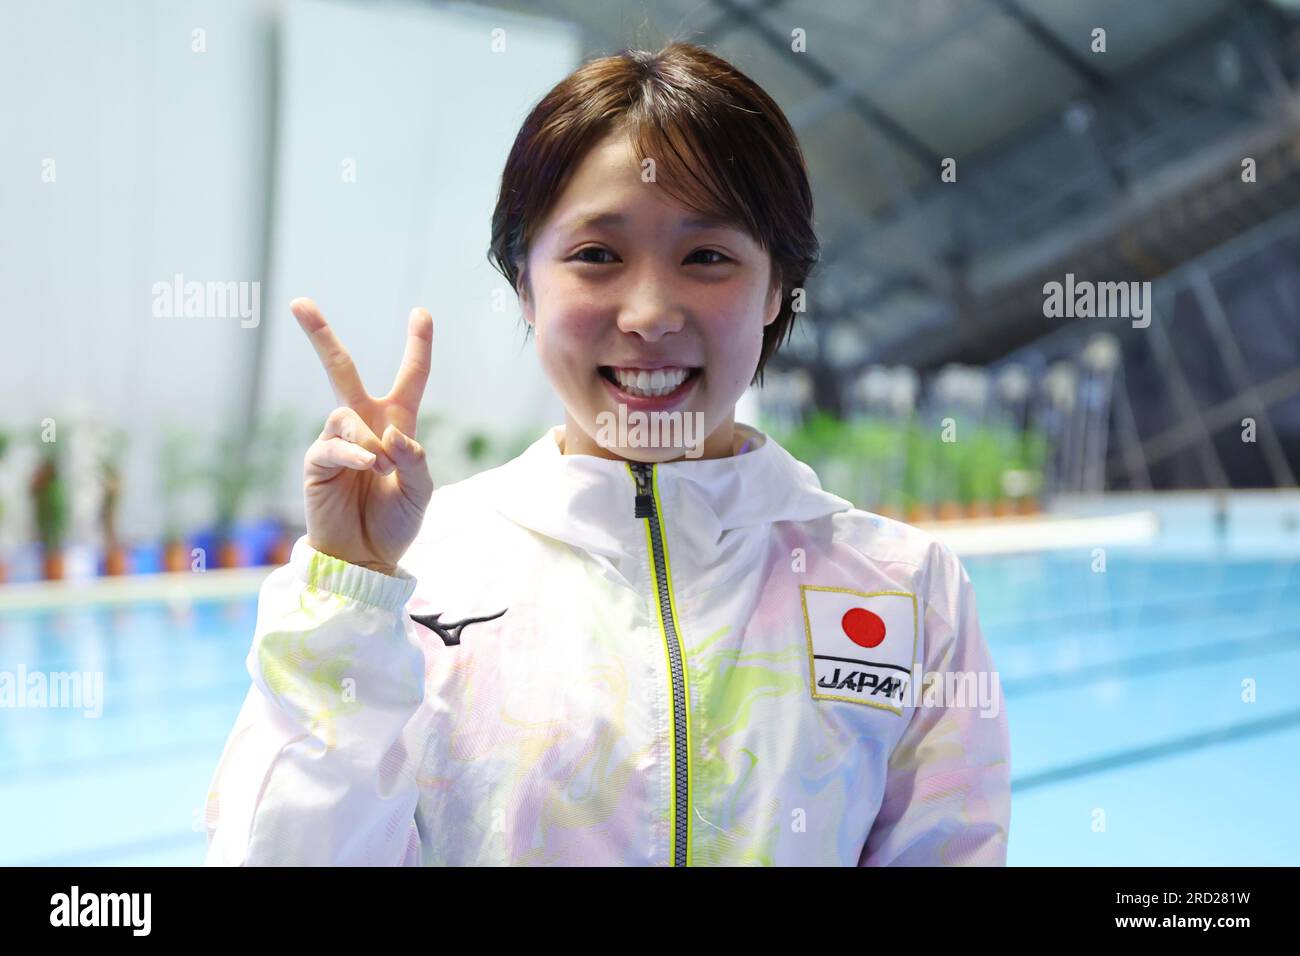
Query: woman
(647, 640)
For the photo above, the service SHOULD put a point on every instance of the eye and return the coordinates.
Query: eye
(578, 256)
(598, 249)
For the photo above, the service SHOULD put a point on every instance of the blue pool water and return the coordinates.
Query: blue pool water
(1131, 741)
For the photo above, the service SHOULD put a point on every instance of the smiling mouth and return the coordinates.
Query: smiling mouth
(648, 383)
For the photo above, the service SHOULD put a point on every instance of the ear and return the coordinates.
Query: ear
(773, 302)
(525, 300)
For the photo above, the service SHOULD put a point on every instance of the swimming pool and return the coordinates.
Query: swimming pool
(1153, 706)
(1132, 742)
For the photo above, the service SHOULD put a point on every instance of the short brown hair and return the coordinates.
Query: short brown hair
(693, 111)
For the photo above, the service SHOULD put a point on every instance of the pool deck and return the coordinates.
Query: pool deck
(973, 536)
(1206, 523)
(179, 588)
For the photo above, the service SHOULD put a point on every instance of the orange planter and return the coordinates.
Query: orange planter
(176, 556)
(229, 555)
(115, 560)
(53, 565)
(280, 550)
(950, 511)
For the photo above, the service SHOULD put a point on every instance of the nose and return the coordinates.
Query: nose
(649, 310)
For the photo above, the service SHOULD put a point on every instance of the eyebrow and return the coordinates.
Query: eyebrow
(618, 219)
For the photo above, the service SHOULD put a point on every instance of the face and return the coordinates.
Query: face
(637, 309)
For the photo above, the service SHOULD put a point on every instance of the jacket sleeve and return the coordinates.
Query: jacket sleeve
(947, 799)
(316, 770)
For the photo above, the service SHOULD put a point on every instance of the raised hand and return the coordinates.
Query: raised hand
(365, 479)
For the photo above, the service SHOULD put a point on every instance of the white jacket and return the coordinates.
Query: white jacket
(703, 662)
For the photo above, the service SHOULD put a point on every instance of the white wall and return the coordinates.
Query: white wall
(163, 165)
(416, 97)
(159, 157)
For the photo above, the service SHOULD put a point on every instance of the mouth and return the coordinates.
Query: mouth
(665, 382)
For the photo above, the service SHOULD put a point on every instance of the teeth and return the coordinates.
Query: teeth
(659, 382)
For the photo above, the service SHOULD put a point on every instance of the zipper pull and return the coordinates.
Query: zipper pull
(645, 502)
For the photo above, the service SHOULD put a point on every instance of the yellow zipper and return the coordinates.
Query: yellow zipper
(648, 506)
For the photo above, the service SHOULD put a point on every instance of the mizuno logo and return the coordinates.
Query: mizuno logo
(450, 633)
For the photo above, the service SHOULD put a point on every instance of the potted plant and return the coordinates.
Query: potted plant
(176, 472)
(1036, 452)
(110, 474)
(231, 472)
(477, 447)
(50, 500)
(920, 472)
(985, 464)
(273, 436)
(877, 447)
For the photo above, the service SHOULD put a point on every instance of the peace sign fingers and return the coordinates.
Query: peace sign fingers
(338, 364)
(408, 388)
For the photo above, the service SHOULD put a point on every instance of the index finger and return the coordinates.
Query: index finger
(342, 373)
(412, 377)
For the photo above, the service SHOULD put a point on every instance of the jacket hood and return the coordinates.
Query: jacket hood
(589, 502)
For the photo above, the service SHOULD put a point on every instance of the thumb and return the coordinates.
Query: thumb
(412, 467)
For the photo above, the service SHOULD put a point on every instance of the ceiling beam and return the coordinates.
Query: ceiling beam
(827, 78)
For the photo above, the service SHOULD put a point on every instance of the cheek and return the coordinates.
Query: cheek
(567, 337)
(735, 342)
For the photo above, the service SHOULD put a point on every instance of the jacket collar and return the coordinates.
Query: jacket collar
(589, 501)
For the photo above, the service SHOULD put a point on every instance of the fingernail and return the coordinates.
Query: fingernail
(386, 465)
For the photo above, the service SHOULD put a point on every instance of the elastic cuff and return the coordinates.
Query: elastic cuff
(326, 573)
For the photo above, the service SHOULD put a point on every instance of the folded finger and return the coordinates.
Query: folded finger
(345, 423)
(327, 455)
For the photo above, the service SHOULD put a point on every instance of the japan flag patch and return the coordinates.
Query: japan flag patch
(861, 645)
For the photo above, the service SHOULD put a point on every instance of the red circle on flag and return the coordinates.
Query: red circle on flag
(863, 627)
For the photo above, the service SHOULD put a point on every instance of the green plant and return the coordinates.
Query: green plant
(110, 473)
(879, 447)
(269, 462)
(874, 461)
(50, 498)
(177, 472)
(477, 446)
(230, 475)
(985, 461)
(1034, 451)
